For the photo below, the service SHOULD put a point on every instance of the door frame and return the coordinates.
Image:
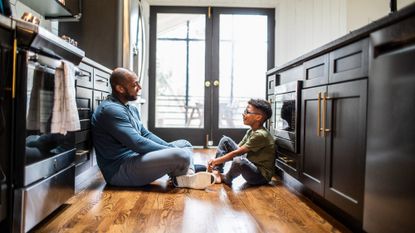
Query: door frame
(170, 134)
(236, 134)
(210, 131)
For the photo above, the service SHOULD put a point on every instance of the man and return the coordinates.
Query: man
(254, 156)
(130, 155)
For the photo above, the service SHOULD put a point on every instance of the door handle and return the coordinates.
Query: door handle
(216, 83)
(318, 114)
(207, 83)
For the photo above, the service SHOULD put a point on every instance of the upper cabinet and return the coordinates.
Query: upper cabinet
(64, 10)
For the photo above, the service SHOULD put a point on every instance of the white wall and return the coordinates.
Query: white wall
(303, 25)
(360, 13)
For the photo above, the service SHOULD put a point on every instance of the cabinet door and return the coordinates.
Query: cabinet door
(316, 71)
(349, 62)
(101, 80)
(86, 77)
(313, 145)
(345, 146)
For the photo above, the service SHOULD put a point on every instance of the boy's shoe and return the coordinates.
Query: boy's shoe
(200, 180)
(200, 168)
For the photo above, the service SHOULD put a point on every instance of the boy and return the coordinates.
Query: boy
(254, 156)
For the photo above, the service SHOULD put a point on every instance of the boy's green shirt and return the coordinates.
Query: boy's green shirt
(261, 150)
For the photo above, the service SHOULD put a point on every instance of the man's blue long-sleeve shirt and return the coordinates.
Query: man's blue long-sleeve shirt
(118, 133)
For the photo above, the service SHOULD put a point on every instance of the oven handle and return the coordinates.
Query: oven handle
(78, 73)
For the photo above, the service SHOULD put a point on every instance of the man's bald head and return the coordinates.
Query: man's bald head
(120, 76)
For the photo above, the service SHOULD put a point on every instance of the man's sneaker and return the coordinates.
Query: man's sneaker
(200, 180)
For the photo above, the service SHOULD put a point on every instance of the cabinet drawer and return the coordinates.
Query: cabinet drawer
(85, 123)
(288, 162)
(349, 62)
(83, 98)
(82, 136)
(99, 97)
(293, 74)
(316, 71)
(84, 113)
(101, 80)
(85, 145)
(42, 198)
(85, 80)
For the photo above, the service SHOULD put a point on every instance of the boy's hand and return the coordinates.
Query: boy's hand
(211, 164)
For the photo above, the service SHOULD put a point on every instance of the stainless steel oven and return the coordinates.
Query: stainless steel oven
(41, 172)
(287, 125)
(287, 115)
(44, 161)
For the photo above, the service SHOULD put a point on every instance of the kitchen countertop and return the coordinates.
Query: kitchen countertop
(96, 64)
(349, 38)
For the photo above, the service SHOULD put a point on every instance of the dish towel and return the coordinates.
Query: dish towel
(65, 113)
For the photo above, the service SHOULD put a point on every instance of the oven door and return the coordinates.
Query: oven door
(39, 153)
(287, 116)
(43, 162)
(285, 121)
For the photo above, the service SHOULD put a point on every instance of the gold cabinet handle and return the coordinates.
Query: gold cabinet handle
(216, 83)
(207, 83)
(318, 114)
(325, 98)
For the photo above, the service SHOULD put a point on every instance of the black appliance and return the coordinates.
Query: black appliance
(6, 41)
(389, 204)
(286, 120)
(286, 127)
(41, 175)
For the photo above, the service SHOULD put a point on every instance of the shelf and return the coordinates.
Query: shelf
(51, 9)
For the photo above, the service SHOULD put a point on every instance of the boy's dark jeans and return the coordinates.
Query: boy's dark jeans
(240, 164)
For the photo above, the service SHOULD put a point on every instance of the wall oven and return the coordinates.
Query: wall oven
(40, 171)
(286, 128)
(43, 161)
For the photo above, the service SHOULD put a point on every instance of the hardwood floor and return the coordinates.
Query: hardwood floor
(159, 207)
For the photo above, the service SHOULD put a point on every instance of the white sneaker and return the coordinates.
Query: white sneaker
(200, 180)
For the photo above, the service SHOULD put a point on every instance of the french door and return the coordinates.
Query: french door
(205, 64)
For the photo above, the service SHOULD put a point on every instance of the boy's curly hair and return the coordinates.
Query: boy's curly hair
(262, 105)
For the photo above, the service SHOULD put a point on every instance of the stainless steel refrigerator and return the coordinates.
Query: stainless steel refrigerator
(389, 204)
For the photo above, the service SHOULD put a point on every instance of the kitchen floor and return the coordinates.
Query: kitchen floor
(159, 207)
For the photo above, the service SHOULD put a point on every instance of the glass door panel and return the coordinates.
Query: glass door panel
(180, 71)
(243, 43)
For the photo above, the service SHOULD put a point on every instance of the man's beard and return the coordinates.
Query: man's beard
(130, 97)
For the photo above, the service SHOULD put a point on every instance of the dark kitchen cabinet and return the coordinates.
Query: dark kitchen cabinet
(333, 143)
(356, 125)
(91, 88)
(344, 64)
(316, 71)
